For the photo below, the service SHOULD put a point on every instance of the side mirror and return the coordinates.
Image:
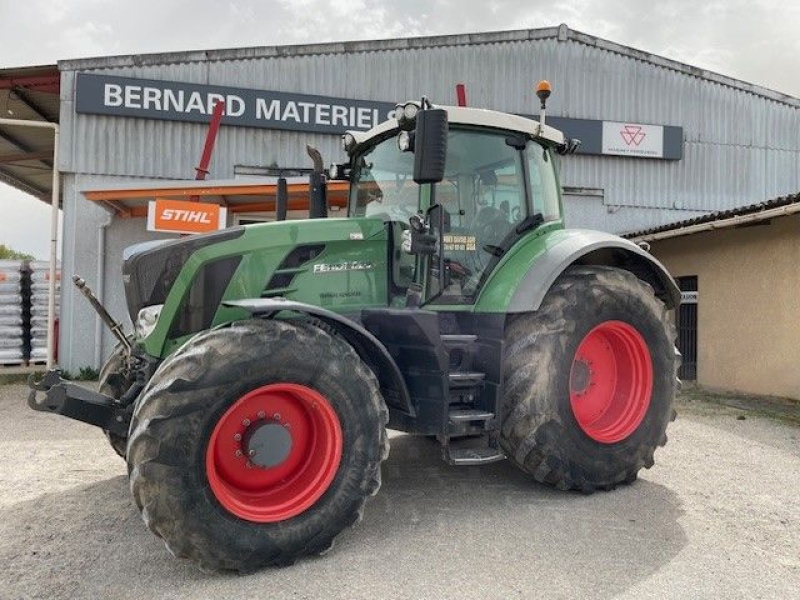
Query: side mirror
(430, 145)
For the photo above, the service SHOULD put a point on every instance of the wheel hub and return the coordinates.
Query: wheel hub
(580, 377)
(274, 452)
(267, 444)
(610, 382)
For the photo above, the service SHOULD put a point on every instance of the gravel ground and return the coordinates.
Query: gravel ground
(717, 517)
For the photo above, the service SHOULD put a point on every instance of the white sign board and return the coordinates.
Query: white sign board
(633, 139)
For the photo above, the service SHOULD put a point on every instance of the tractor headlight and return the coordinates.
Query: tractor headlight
(406, 115)
(410, 111)
(348, 142)
(405, 141)
(146, 320)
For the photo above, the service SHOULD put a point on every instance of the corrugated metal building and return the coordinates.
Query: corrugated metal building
(686, 141)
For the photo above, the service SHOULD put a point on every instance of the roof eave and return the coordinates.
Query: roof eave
(683, 228)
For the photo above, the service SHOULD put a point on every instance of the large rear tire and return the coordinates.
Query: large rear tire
(589, 381)
(256, 444)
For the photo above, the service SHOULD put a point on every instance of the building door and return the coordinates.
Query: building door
(687, 327)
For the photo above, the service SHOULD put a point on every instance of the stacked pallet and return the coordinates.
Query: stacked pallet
(39, 286)
(12, 330)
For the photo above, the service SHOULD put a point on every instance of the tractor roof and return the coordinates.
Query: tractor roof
(479, 117)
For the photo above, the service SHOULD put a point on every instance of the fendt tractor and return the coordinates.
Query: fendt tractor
(267, 361)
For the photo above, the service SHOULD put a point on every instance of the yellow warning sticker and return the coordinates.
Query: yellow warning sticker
(464, 243)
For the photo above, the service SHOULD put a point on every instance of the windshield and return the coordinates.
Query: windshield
(383, 183)
(484, 196)
(479, 173)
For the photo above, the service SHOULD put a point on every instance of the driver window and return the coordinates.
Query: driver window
(544, 186)
(483, 196)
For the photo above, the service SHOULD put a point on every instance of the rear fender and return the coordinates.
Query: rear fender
(584, 247)
(366, 345)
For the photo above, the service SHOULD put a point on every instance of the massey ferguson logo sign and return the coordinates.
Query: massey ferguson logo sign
(633, 139)
(633, 134)
(178, 216)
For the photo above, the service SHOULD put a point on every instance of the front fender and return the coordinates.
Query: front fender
(367, 346)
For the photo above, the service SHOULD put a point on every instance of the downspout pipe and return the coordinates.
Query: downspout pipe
(100, 287)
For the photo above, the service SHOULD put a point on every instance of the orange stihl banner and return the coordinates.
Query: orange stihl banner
(179, 216)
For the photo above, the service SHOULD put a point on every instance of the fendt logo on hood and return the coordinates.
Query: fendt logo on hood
(179, 216)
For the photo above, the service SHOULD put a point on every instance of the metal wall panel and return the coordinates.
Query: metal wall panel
(741, 144)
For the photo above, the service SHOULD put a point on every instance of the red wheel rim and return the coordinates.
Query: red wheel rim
(610, 382)
(274, 452)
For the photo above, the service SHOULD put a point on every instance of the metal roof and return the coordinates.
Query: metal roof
(560, 33)
(755, 212)
(29, 94)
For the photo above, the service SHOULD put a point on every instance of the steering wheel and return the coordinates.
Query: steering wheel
(491, 226)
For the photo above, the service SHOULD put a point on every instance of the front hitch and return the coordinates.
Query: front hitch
(64, 398)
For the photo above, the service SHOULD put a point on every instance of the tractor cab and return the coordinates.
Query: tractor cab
(497, 183)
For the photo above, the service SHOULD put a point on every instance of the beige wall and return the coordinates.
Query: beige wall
(748, 307)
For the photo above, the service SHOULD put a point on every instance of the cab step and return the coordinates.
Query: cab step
(467, 415)
(455, 339)
(460, 379)
(480, 455)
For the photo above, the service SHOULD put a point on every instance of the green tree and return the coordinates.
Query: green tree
(6, 252)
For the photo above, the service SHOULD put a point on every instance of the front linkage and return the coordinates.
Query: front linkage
(111, 413)
(70, 400)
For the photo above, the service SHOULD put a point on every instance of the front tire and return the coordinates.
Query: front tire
(114, 382)
(256, 444)
(589, 381)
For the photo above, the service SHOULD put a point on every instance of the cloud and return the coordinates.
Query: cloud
(753, 40)
(25, 225)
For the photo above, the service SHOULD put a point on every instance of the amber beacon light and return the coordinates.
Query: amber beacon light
(543, 91)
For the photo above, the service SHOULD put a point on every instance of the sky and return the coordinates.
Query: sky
(754, 40)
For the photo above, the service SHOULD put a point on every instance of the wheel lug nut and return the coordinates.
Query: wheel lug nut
(237, 437)
(277, 416)
(246, 422)
(251, 453)
(261, 414)
(238, 453)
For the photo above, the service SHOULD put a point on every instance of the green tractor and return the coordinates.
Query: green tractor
(252, 401)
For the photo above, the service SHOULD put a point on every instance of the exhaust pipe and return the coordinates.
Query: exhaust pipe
(318, 200)
(281, 200)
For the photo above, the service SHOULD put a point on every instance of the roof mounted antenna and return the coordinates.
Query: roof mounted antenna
(543, 92)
